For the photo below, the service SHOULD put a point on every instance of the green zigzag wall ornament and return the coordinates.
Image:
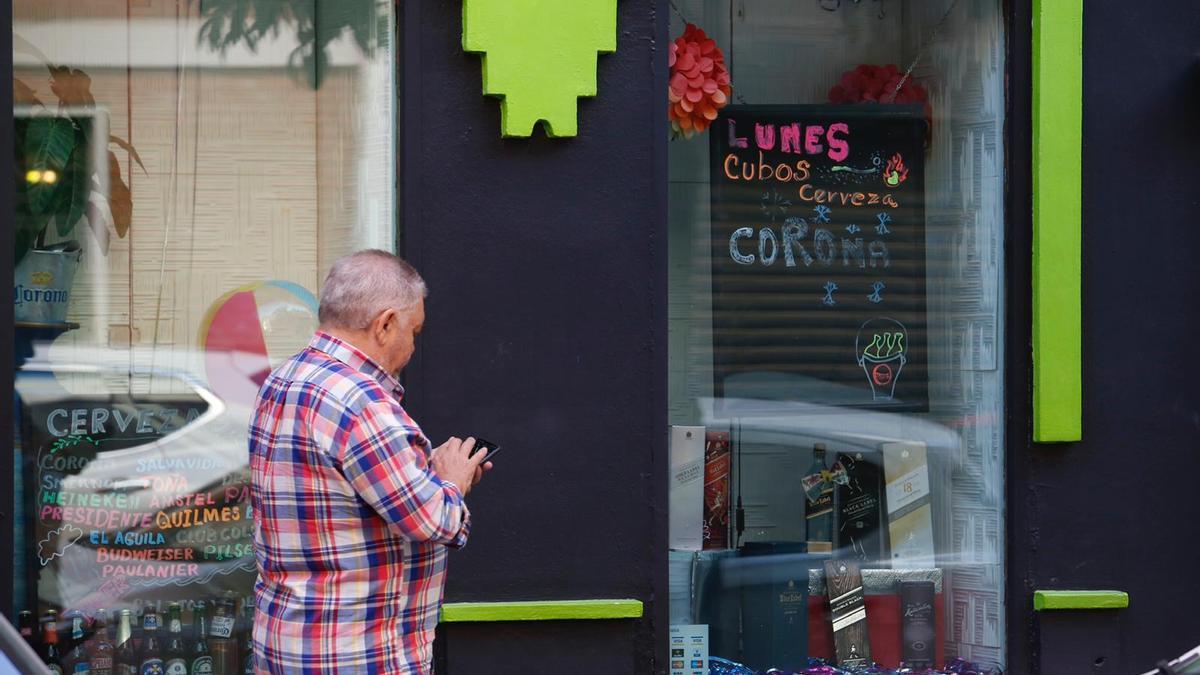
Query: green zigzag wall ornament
(539, 57)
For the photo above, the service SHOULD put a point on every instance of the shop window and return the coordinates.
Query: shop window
(836, 334)
(188, 173)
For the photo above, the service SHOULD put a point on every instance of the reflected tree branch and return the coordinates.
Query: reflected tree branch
(315, 23)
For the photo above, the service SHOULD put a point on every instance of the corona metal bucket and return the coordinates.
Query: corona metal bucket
(42, 290)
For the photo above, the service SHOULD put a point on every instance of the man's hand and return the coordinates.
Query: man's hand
(452, 461)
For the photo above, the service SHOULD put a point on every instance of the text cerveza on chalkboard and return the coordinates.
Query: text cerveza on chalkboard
(818, 255)
(137, 500)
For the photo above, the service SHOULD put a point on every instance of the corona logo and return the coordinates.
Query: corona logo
(41, 278)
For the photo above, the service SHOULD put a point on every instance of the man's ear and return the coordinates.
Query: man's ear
(384, 323)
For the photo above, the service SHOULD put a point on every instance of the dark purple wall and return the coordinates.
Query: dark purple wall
(546, 332)
(7, 197)
(1120, 510)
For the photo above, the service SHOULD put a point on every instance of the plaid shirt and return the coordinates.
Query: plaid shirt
(350, 523)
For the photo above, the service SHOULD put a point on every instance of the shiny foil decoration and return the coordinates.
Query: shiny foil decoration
(699, 82)
(880, 581)
(718, 666)
(881, 84)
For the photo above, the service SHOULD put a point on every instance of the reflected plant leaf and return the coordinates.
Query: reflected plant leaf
(125, 145)
(24, 95)
(56, 144)
(49, 142)
(73, 87)
(74, 194)
(120, 199)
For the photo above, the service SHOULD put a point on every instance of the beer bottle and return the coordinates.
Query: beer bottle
(126, 651)
(175, 657)
(28, 627)
(246, 636)
(67, 642)
(139, 632)
(98, 622)
(200, 660)
(77, 660)
(221, 640)
(127, 656)
(50, 653)
(101, 659)
(152, 662)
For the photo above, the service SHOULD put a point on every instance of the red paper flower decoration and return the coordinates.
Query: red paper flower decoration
(877, 84)
(699, 85)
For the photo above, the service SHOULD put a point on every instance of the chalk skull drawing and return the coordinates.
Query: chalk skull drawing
(882, 349)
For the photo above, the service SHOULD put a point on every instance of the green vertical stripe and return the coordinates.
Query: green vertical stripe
(1057, 194)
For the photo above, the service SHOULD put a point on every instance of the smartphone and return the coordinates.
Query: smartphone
(484, 444)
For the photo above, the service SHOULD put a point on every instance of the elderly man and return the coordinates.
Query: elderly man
(353, 514)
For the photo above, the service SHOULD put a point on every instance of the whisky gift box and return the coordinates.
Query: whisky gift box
(917, 630)
(909, 504)
(686, 494)
(717, 463)
(773, 577)
(847, 613)
(717, 601)
(881, 594)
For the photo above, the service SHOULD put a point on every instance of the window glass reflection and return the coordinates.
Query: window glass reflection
(188, 172)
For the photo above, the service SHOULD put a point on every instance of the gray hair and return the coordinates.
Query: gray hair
(362, 285)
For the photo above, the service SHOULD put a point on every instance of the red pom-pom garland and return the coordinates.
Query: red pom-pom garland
(699, 84)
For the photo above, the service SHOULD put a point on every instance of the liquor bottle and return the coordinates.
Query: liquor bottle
(28, 627)
(201, 661)
(77, 660)
(151, 656)
(818, 504)
(221, 640)
(859, 515)
(102, 650)
(175, 657)
(127, 654)
(50, 652)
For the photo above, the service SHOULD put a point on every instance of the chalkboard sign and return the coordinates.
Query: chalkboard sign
(818, 255)
(136, 500)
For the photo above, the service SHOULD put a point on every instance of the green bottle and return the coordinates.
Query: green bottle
(200, 658)
(175, 656)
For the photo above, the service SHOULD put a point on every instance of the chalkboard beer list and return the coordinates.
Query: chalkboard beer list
(136, 502)
(818, 255)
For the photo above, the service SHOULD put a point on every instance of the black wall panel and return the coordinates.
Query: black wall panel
(546, 332)
(1120, 510)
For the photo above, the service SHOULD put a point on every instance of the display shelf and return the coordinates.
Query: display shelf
(28, 333)
(62, 326)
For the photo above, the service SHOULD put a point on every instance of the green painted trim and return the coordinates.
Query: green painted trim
(541, 610)
(1057, 219)
(539, 57)
(1046, 600)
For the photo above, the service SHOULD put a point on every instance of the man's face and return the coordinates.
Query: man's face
(398, 339)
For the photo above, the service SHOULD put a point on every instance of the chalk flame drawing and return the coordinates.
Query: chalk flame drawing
(895, 172)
